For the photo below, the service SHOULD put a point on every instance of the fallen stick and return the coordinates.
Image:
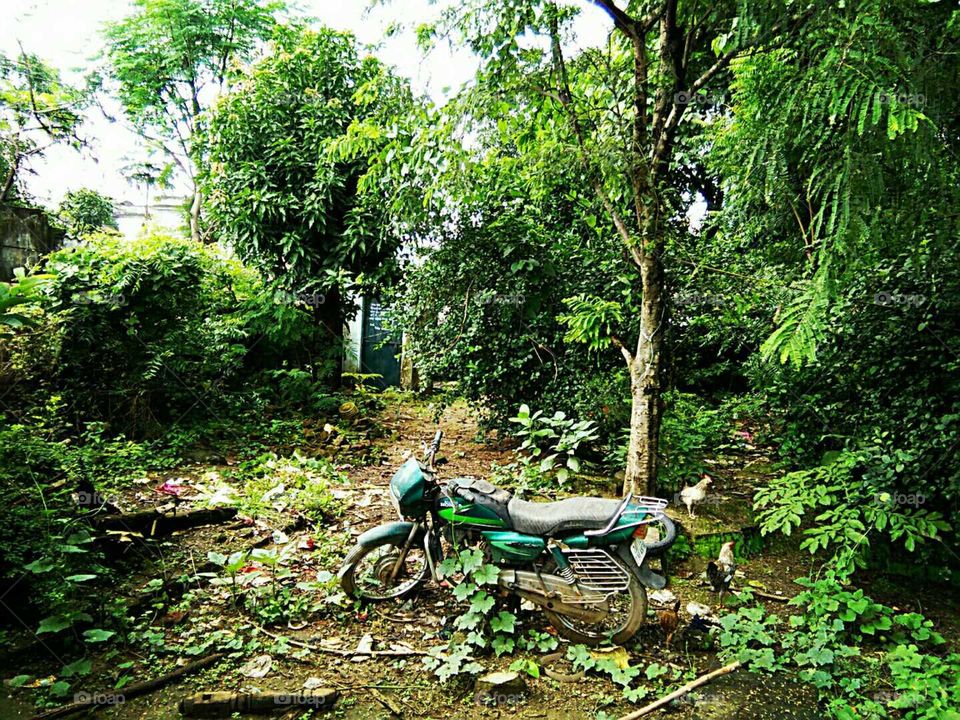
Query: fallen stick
(132, 690)
(151, 523)
(770, 596)
(343, 653)
(680, 692)
(389, 703)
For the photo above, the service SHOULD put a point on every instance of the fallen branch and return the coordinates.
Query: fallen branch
(343, 653)
(389, 703)
(680, 692)
(769, 596)
(132, 690)
(151, 523)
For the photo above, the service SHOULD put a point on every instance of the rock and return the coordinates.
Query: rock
(500, 687)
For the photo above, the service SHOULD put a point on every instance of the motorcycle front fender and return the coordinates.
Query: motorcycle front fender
(399, 530)
(643, 573)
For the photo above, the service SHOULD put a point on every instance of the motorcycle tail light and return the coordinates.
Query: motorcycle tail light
(640, 531)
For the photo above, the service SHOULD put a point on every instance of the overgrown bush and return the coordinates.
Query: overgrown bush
(868, 661)
(139, 333)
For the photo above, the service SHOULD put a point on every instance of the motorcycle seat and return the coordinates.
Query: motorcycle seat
(553, 518)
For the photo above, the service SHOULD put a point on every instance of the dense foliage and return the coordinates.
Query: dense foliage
(37, 109)
(282, 189)
(137, 334)
(85, 211)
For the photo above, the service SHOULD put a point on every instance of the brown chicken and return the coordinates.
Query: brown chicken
(669, 619)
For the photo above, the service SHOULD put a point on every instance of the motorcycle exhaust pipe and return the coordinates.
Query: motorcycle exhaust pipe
(553, 593)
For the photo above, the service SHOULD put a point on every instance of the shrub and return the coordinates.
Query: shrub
(85, 211)
(150, 330)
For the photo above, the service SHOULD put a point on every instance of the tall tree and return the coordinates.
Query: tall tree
(37, 110)
(291, 150)
(624, 120)
(170, 58)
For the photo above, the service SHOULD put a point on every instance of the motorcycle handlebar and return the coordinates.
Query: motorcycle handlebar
(435, 445)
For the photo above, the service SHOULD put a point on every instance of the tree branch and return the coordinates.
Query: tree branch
(618, 343)
(676, 112)
(565, 98)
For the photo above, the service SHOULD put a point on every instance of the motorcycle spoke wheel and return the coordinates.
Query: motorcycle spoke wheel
(371, 569)
(627, 611)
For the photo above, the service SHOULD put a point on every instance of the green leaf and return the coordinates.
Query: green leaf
(486, 575)
(19, 681)
(80, 578)
(79, 667)
(503, 622)
(54, 624)
(41, 565)
(464, 590)
(97, 635)
(482, 603)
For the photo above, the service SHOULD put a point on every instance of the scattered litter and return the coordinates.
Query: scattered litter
(662, 597)
(365, 646)
(257, 667)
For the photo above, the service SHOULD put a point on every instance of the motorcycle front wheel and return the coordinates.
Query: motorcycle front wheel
(367, 570)
(627, 612)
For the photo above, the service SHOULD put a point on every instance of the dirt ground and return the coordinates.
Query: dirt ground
(391, 686)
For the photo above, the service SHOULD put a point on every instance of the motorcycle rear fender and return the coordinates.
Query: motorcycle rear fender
(399, 530)
(643, 573)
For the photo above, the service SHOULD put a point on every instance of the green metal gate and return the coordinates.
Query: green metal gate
(379, 350)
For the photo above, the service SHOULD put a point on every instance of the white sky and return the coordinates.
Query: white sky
(66, 33)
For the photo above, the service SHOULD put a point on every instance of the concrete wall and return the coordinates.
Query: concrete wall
(25, 236)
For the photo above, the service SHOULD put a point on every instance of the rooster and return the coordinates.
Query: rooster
(691, 496)
(720, 573)
(669, 620)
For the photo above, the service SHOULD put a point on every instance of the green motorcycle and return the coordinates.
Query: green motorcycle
(583, 560)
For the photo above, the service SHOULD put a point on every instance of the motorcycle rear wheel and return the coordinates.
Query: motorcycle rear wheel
(630, 607)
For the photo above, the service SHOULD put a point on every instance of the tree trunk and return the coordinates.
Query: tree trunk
(328, 314)
(195, 215)
(645, 377)
(11, 176)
